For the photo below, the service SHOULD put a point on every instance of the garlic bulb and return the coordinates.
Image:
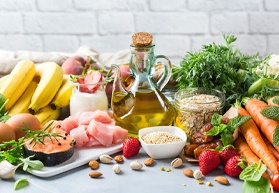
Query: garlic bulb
(7, 170)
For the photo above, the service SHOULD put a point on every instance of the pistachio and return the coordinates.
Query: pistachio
(118, 159)
(93, 164)
(95, 174)
(209, 184)
(136, 165)
(221, 180)
(188, 172)
(106, 159)
(177, 162)
(149, 161)
(116, 168)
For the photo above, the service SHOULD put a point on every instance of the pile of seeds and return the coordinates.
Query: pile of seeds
(160, 137)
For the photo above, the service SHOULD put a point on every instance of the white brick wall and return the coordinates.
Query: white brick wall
(178, 26)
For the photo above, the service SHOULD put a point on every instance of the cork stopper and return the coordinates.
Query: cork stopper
(142, 39)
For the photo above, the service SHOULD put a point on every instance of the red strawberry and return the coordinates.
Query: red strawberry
(234, 166)
(130, 147)
(226, 153)
(208, 161)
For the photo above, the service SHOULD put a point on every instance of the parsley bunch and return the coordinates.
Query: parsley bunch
(220, 67)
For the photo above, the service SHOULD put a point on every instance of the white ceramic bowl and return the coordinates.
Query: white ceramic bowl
(163, 151)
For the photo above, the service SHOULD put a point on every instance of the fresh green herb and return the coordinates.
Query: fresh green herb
(32, 164)
(220, 67)
(21, 183)
(226, 130)
(276, 100)
(271, 112)
(253, 180)
(276, 136)
(38, 136)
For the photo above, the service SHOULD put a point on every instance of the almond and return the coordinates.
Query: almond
(118, 159)
(188, 172)
(95, 174)
(177, 162)
(93, 164)
(149, 161)
(221, 180)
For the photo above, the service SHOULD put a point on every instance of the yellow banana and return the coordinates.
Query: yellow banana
(62, 97)
(3, 79)
(18, 80)
(22, 104)
(51, 77)
(47, 114)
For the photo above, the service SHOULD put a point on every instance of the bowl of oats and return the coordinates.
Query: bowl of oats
(162, 142)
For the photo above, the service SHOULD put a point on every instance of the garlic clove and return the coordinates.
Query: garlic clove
(7, 170)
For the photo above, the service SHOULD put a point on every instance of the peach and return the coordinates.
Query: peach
(73, 65)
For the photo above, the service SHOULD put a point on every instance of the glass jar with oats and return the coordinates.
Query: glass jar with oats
(195, 107)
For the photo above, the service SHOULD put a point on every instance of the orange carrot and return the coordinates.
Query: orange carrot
(266, 125)
(271, 147)
(255, 141)
(246, 151)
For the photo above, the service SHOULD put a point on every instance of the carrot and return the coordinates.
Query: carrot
(266, 125)
(255, 141)
(271, 147)
(246, 151)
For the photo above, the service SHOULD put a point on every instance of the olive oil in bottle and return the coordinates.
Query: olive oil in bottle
(145, 109)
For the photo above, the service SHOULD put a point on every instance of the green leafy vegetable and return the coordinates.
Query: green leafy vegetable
(276, 136)
(276, 100)
(226, 130)
(253, 172)
(33, 164)
(253, 180)
(261, 186)
(220, 67)
(21, 183)
(271, 112)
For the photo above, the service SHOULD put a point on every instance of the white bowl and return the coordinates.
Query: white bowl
(163, 151)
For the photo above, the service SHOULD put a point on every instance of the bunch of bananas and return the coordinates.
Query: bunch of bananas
(41, 90)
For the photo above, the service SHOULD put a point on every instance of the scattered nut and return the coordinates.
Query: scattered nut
(177, 162)
(200, 182)
(221, 180)
(93, 164)
(116, 168)
(118, 159)
(209, 184)
(168, 170)
(106, 159)
(197, 174)
(149, 161)
(135, 165)
(162, 168)
(188, 172)
(95, 174)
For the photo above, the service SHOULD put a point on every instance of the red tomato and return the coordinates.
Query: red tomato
(275, 181)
